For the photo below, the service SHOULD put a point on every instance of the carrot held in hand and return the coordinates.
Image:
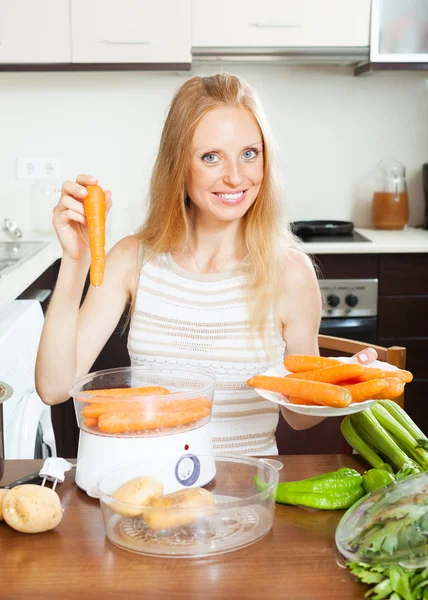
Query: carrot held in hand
(326, 394)
(95, 212)
(296, 363)
(367, 390)
(332, 374)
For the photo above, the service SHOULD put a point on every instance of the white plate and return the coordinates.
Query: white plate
(319, 411)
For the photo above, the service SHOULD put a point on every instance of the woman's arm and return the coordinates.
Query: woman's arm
(71, 338)
(300, 313)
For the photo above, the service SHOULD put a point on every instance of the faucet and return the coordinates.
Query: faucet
(11, 229)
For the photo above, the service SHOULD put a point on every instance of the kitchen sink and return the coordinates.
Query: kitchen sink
(14, 254)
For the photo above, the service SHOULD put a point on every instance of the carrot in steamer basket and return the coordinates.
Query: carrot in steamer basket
(121, 422)
(90, 422)
(326, 394)
(95, 212)
(296, 363)
(332, 374)
(367, 390)
(114, 393)
(99, 408)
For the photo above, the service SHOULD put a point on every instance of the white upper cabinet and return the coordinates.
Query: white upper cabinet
(34, 31)
(280, 23)
(131, 31)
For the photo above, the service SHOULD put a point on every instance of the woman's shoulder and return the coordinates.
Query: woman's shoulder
(123, 258)
(299, 270)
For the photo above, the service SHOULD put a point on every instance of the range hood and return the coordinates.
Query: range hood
(290, 55)
(398, 36)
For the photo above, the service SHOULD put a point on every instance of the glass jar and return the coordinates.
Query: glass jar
(390, 207)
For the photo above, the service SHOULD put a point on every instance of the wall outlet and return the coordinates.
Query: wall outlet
(38, 168)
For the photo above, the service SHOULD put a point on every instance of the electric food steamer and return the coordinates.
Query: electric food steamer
(185, 448)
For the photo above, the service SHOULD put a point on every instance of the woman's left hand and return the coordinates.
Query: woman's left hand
(366, 356)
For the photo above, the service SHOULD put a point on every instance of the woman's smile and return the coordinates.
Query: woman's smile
(231, 198)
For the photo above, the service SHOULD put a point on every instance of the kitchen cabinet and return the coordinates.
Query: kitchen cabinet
(281, 23)
(34, 31)
(130, 31)
(403, 312)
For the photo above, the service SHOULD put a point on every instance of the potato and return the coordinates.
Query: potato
(31, 508)
(140, 492)
(190, 498)
(2, 495)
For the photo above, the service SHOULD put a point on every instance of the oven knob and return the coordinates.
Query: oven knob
(333, 300)
(351, 300)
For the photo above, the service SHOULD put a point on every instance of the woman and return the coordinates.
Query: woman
(220, 283)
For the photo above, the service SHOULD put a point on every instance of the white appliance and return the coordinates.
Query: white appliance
(185, 451)
(27, 424)
(187, 458)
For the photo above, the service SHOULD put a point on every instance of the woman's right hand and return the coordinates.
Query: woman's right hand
(69, 217)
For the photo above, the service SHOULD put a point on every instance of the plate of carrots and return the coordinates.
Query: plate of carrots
(329, 387)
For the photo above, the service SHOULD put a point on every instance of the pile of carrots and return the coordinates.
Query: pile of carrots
(320, 381)
(123, 411)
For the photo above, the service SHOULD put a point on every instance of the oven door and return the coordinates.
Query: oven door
(362, 329)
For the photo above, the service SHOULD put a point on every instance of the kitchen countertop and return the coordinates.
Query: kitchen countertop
(297, 559)
(409, 240)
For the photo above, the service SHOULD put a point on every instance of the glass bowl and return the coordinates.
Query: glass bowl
(240, 516)
(143, 401)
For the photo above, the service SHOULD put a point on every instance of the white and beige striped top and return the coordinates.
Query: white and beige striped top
(195, 320)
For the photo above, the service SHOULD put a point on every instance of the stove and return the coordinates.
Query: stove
(334, 238)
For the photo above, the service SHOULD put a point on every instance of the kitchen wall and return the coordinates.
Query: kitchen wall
(331, 127)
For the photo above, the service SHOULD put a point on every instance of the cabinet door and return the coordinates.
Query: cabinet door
(130, 31)
(280, 23)
(34, 31)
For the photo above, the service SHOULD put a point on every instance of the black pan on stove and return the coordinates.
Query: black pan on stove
(305, 229)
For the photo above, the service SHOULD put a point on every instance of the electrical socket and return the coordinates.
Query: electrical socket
(39, 168)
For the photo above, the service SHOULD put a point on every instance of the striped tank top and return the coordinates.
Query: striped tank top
(201, 320)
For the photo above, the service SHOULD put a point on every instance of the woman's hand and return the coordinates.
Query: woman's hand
(366, 356)
(69, 217)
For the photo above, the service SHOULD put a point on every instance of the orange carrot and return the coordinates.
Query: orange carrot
(406, 376)
(395, 388)
(99, 408)
(332, 374)
(107, 395)
(90, 422)
(315, 391)
(296, 363)
(302, 401)
(121, 422)
(367, 390)
(95, 211)
(367, 374)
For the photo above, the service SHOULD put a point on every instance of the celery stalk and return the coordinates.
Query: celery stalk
(401, 434)
(367, 425)
(405, 421)
(358, 444)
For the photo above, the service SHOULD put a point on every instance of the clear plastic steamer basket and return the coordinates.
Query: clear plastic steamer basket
(389, 526)
(143, 401)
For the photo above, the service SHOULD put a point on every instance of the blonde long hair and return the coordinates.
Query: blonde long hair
(168, 226)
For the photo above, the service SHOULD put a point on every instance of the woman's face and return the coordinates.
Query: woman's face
(226, 167)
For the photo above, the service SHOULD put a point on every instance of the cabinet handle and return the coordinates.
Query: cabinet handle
(126, 42)
(277, 25)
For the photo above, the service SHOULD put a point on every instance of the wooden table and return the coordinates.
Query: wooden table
(297, 559)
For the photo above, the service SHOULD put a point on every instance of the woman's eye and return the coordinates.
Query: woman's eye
(210, 158)
(250, 154)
